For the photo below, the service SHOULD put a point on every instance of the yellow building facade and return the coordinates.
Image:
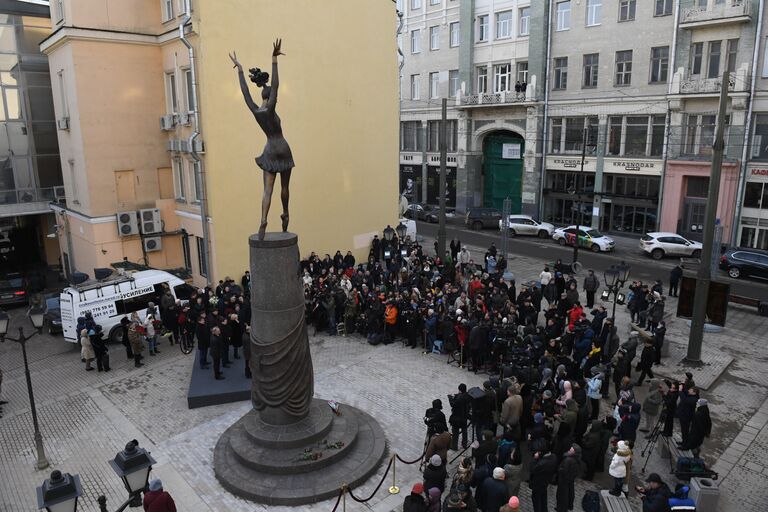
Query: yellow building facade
(122, 71)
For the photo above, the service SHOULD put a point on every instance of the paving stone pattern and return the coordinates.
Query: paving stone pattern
(87, 417)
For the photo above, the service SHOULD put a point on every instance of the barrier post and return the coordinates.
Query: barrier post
(344, 498)
(394, 489)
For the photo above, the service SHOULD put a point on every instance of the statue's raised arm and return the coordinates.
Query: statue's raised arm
(243, 84)
(275, 81)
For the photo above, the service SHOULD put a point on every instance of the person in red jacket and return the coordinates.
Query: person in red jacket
(156, 499)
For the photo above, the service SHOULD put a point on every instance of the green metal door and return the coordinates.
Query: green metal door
(503, 170)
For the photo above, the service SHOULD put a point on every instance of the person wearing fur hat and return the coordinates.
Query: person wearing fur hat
(416, 501)
(620, 467)
(156, 499)
(492, 493)
(567, 472)
(435, 473)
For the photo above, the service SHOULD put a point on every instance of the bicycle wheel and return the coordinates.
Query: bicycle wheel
(186, 344)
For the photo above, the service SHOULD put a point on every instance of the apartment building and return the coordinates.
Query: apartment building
(30, 174)
(637, 80)
(158, 145)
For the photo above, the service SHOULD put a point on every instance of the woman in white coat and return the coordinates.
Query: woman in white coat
(86, 350)
(620, 467)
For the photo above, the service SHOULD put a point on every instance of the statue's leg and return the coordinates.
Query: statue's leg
(266, 200)
(285, 179)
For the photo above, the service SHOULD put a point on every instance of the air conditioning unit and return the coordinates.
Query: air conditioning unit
(172, 145)
(127, 224)
(166, 123)
(150, 221)
(184, 118)
(63, 123)
(153, 243)
(59, 194)
(184, 146)
(199, 146)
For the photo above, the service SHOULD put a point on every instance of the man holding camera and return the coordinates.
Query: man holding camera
(461, 405)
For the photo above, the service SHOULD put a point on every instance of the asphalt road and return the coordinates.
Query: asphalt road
(643, 268)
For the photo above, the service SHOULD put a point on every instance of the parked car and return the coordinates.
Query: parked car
(482, 218)
(13, 288)
(745, 263)
(526, 225)
(589, 238)
(53, 315)
(661, 244)
(423, 212)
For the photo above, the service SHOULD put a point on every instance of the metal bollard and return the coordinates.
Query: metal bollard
(394, 489)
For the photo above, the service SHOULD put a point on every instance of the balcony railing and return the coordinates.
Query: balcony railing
(31, 195)
(494, 98)
(682, 83)
(729, 12)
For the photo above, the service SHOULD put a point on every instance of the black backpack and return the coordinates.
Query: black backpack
(590, 502)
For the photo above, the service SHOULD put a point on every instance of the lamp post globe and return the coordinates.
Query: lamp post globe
(389, 233)
(611, 276)
(623, 270)
(37, 316)
(133, 465)
(401, 230)
(59, 493)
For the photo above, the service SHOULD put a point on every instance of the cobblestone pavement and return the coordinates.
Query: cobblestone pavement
(87, 417)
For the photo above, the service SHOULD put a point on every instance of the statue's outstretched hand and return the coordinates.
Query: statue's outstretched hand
(236, 62)
(276, 48)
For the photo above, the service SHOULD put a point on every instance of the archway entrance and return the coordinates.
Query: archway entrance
(503, 169)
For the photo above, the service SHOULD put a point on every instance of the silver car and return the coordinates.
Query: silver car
(525, 225)
(661, 244)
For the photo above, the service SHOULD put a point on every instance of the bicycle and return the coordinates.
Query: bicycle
(186, 342)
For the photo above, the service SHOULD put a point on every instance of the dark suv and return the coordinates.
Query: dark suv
(745, 263)
(483, 218)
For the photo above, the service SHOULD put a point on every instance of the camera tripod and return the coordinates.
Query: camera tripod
(652, 438)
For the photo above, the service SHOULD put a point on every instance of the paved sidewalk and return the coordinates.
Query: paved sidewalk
(87, 417)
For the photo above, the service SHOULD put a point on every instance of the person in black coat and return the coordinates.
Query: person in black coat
(670, 407)
(217, 351)
(674, 280)
(656, 495)
(701, 427)
(236, 334)
(493, 493)
(647, 358)
(686, 409)
(487, 447)
(461, 408)
(567, 472)
(203, 335)
(246, 340)
(416, 501)
(435, 473)
(658, 339)
(124, 323)
(542, 471)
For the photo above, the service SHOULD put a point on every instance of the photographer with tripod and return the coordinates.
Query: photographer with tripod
(461, 410)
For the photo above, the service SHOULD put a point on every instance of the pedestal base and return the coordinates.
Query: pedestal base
(300, 463)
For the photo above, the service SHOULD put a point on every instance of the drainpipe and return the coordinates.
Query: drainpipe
(199, 167)
(542, 175)
(747, 128)
(673, 64)
(664, 159)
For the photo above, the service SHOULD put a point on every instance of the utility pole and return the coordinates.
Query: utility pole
(443, 159)
(704, 273)
(577, 193)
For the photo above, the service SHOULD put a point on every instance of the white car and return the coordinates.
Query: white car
(588, 238)
(525, 225)
(658, 245)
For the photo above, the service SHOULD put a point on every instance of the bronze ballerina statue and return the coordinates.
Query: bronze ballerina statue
(276, 158)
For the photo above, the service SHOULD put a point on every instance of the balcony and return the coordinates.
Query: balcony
(683, 83)
(29, 201)
(494, 98)
(729, 12)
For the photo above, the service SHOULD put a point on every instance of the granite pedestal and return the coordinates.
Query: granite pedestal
(291, 449)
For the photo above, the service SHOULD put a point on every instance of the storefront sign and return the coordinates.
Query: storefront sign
(634, 166)
(759, 172)
(510, 151)
(567, 163)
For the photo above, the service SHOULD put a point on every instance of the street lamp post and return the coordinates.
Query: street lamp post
(36, 316)
(615, 277)
(389, 235)
(59, 493)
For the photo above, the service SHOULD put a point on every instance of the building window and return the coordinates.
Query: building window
(591, 66)
(713, 58)
(697, 57)
(415, 86)
(416, 41)
(501, 77)
(760, 138)
(434, 2)
(525, 21)
(433, 136)
(196, 181)
(185, 252)
(641, 136)
(659, 64)
(594, 12)
(756, 196)
(201, 263)
(663, 8)
(434, 38)
(453, 135)
(568, 134)
(482, 28)
(564, 15)
(189, 96)
(167, 10)
(171, 99)
(561, 73)
(522, 72)
(503, 24)
(765, 60)
(453, 82)
(733, 49)
(178, 179)
(636, 136)
(700, 134)
(482, 80)
(415, 4)
(411, 136)
(627, 10)
(623, 68)
(434, 83)
(455, 34)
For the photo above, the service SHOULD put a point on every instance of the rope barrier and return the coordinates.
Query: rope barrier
(413, 461)
(338, 499)
(352, 495)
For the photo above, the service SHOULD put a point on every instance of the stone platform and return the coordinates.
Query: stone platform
(204, 390)
(270, 464)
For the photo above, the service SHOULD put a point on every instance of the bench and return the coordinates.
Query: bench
(611, 503)
(645, 335)
(669, 450)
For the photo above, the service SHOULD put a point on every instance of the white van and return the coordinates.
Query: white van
(110, 299)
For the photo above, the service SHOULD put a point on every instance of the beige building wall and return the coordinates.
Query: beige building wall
(339, 109)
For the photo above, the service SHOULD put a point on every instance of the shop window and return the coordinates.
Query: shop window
(636, 136)
(697, 187)
(753, 195)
